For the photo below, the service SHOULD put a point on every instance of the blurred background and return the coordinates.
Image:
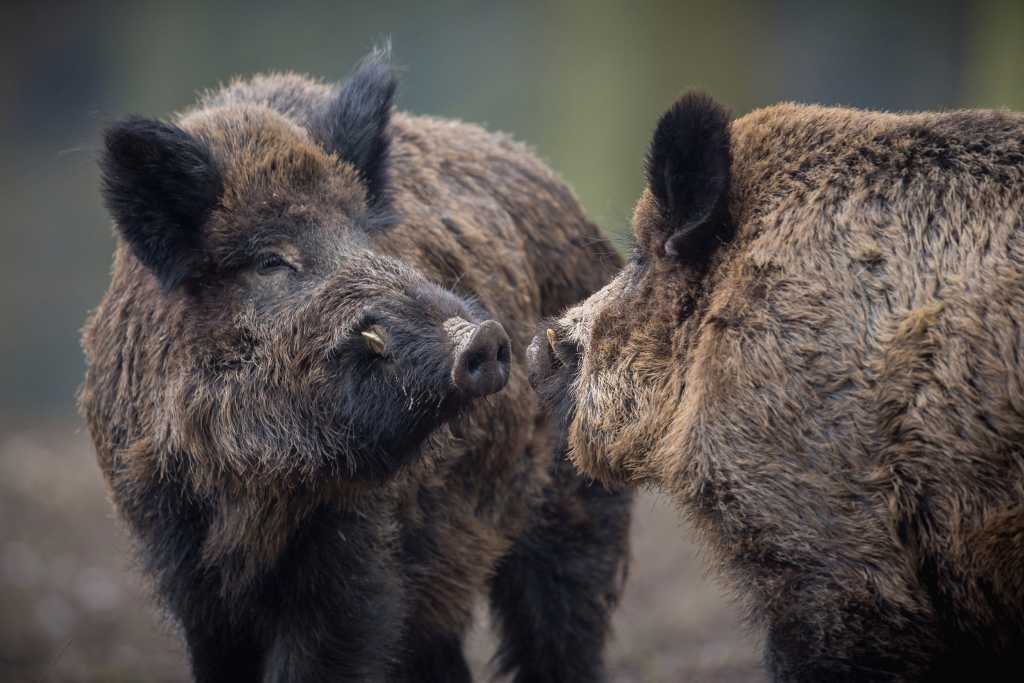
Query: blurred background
(582, 82)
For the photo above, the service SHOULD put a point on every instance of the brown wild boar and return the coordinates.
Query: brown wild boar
(307, 392)
(816, 350)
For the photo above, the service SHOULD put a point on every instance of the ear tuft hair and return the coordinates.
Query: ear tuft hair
(356, 122)
(160, 184)
(688, 173)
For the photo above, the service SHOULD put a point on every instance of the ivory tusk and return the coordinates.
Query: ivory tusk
(374, 340)
(552, 339)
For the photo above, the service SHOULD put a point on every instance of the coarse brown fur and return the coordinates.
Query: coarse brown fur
(826, 373)
(228, 399)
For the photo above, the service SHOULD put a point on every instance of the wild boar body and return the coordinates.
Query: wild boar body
(310, 505)
(816, 351)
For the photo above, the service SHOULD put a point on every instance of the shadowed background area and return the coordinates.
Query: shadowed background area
(582, 82)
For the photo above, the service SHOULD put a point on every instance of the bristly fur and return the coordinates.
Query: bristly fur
(836, 400)
(688, 166)
(291, 489)
(356, 121)
(160, 184)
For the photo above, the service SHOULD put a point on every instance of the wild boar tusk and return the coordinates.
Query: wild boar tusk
(374, 340)
(552, 340)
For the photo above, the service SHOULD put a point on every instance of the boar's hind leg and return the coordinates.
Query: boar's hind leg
(554, 593)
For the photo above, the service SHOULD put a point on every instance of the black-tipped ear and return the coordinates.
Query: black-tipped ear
(160, 184)
(356, 122)
(688, 172)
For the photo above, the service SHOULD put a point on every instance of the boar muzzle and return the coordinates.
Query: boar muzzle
(481, 358)
(546, 354)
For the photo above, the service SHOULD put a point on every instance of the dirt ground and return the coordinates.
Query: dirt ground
(71, 608)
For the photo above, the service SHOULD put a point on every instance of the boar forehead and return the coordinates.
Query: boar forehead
(280, 186)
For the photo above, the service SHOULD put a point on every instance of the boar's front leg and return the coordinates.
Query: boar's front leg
(337, 601)
(219, 652)
(829, 632)
(171, 525)
(436, 657)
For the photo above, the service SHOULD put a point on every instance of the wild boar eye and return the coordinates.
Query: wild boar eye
(267, 264)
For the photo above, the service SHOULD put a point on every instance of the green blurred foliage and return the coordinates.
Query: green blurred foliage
(581, 81)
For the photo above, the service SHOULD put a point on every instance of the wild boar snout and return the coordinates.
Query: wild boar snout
(481, 357)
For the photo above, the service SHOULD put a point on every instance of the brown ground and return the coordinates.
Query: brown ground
(71, 609)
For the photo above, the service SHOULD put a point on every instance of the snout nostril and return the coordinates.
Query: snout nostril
(475, 360)
(481, 367)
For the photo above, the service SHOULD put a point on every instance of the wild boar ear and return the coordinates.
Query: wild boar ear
(160, 184)
(357, 120)
(688, 173)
